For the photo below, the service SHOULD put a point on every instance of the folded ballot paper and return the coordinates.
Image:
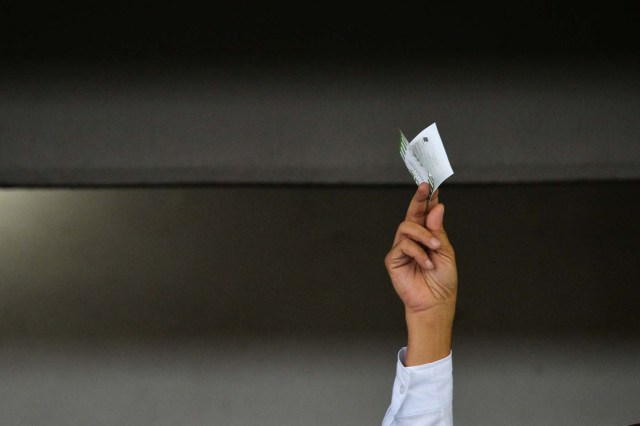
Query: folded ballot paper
(426, 158)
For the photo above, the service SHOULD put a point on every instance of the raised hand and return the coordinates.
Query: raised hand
(422, 266)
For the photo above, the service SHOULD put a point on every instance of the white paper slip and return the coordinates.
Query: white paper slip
(426, 158)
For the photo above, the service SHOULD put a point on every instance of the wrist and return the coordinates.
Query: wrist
(428, 336)
(439, 316)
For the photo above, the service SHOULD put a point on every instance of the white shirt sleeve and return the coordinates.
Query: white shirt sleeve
(422, 394)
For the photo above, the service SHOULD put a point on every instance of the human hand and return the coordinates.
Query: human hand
(421, 262)
(422, 266)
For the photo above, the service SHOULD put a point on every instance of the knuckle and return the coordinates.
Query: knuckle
(411, 228)
(403, 226)
(403, 244)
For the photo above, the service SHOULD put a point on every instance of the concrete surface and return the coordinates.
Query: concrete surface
(270, 305)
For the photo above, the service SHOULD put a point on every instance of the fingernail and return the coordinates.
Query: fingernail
(428, 264)
(434, 242)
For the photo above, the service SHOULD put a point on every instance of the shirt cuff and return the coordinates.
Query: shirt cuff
(422, 388)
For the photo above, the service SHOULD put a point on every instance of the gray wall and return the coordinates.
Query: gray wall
(196, 205)
(513, 118)
(244, 305)
(308, 260)
(255, 92)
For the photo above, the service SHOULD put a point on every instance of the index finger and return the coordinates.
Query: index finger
(419, 206)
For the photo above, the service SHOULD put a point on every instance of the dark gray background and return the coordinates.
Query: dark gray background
(502, 119)
(245, 92)
(197, 202)
(270, 305)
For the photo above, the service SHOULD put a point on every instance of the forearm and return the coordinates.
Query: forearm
(429, 335)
